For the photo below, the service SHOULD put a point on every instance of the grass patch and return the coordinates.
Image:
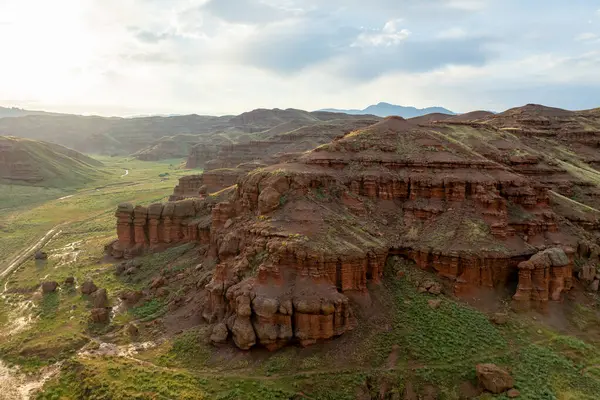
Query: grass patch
(150, 310)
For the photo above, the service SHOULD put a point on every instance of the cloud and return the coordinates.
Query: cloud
(414, 56)
(151, 37)
(290, 47)
(587, 36)
(390, 35)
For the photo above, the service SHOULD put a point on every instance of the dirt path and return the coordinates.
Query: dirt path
(30, 251)
(17, 386)
(126, 173)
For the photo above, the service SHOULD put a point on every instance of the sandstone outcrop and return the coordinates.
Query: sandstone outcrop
(546, 275)
(291, 241)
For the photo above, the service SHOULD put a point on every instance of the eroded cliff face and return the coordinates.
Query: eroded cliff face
(293, 241)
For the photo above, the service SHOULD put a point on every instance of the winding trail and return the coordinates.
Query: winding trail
(30, 251)
(126, 173)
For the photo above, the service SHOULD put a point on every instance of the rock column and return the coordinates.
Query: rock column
(140, 219)
(125, 230)
(154, 213)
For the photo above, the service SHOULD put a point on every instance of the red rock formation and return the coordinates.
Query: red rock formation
(292, 240)
(194, 186)
(546, 275)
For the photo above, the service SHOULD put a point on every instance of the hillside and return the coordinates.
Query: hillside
(385, 110)
(149, 136)
(32, 162)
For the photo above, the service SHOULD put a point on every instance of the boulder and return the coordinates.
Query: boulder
(493, 378)
(131, 297)
(100, 298)
(40, 255)
(70, 280)
(219, 333)
(49, 287)
(99, 315)
(594, 285)
(88, 287)
(558, 257)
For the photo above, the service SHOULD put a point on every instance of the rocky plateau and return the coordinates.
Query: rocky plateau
(506, 203)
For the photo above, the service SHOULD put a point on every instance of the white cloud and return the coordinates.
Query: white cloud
(583, 37)
(452, 33)
(390, 35)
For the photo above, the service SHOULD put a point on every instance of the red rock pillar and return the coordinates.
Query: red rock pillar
(541, 281)
(557, 282)
(525, 283)
(370, 187)
(125, 231)
(140, 219)
(154, 213)
(166, 223)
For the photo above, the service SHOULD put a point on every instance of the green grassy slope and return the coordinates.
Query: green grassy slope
(26, 161)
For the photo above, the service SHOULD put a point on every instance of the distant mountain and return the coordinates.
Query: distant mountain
(6, 112)
(387, 109)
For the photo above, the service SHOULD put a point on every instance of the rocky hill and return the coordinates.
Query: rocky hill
(504, 202)
(25, 161)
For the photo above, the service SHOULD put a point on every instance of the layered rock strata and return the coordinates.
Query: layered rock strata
(292, 240)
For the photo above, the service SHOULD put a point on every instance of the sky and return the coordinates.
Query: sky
(132, 57)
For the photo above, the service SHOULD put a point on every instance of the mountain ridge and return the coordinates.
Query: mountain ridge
(383, 109)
